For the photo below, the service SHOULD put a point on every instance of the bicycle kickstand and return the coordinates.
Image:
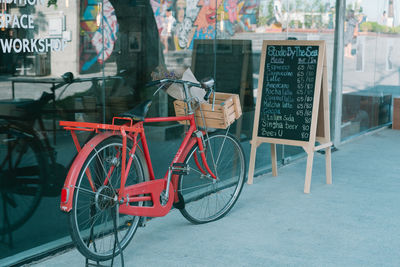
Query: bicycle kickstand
(114, 215)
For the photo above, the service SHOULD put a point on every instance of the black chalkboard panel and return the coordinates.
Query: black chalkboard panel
(287, 96)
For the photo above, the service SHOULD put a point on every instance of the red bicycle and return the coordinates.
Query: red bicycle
(111, 185)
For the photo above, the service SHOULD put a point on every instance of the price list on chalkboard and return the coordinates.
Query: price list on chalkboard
(288, 92)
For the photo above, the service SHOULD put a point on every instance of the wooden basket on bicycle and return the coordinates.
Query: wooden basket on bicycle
(225, 111)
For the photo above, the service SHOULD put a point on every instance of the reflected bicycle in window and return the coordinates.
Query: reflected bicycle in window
(28, 162)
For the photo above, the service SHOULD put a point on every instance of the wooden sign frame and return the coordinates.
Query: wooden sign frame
(319, 128)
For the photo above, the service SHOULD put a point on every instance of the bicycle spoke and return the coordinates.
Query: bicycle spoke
(220, 150)
(94, 218)
(102, 165)
(194, 187)
(91, 192)
(195, 170)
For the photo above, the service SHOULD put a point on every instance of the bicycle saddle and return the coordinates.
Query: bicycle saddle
(139, 112)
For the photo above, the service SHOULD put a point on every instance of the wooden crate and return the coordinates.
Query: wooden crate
(226, 110)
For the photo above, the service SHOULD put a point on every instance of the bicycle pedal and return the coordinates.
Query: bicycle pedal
(180, 169)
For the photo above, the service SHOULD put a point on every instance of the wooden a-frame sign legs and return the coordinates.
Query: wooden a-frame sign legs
(320, 126)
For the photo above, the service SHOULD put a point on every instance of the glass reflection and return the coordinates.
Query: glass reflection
(114, 47)
(371, 67)
(29, 166)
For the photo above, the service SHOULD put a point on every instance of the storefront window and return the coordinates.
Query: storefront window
(371, 67)
(110, 49)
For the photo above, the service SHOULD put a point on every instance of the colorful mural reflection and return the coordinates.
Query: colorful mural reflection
(179, 22)
(98, 33)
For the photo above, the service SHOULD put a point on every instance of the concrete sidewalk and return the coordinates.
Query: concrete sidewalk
(353, 222)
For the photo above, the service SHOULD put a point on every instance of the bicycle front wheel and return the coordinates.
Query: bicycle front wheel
(94, 217)
(207, 199)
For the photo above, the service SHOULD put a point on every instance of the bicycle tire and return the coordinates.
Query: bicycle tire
(206, 199)
(23, 171)
(90, 221)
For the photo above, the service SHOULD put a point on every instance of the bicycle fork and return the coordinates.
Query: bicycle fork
(202, 151)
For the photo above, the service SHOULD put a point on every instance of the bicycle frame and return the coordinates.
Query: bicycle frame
(146, 191)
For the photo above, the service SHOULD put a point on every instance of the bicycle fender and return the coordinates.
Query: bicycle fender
(67, 191)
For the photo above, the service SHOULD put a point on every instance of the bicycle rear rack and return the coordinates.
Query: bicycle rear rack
(73, 126)
(91, 126)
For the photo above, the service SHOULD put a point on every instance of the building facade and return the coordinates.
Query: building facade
(114, 47)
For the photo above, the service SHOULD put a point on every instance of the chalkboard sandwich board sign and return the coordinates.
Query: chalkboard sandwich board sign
(292, 101)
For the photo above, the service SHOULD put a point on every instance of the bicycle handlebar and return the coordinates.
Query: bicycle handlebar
(163, 81)
(208, 89)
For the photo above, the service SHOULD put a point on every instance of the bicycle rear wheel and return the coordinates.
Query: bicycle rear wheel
(95, 210)
(207, 199)
(22, 176)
